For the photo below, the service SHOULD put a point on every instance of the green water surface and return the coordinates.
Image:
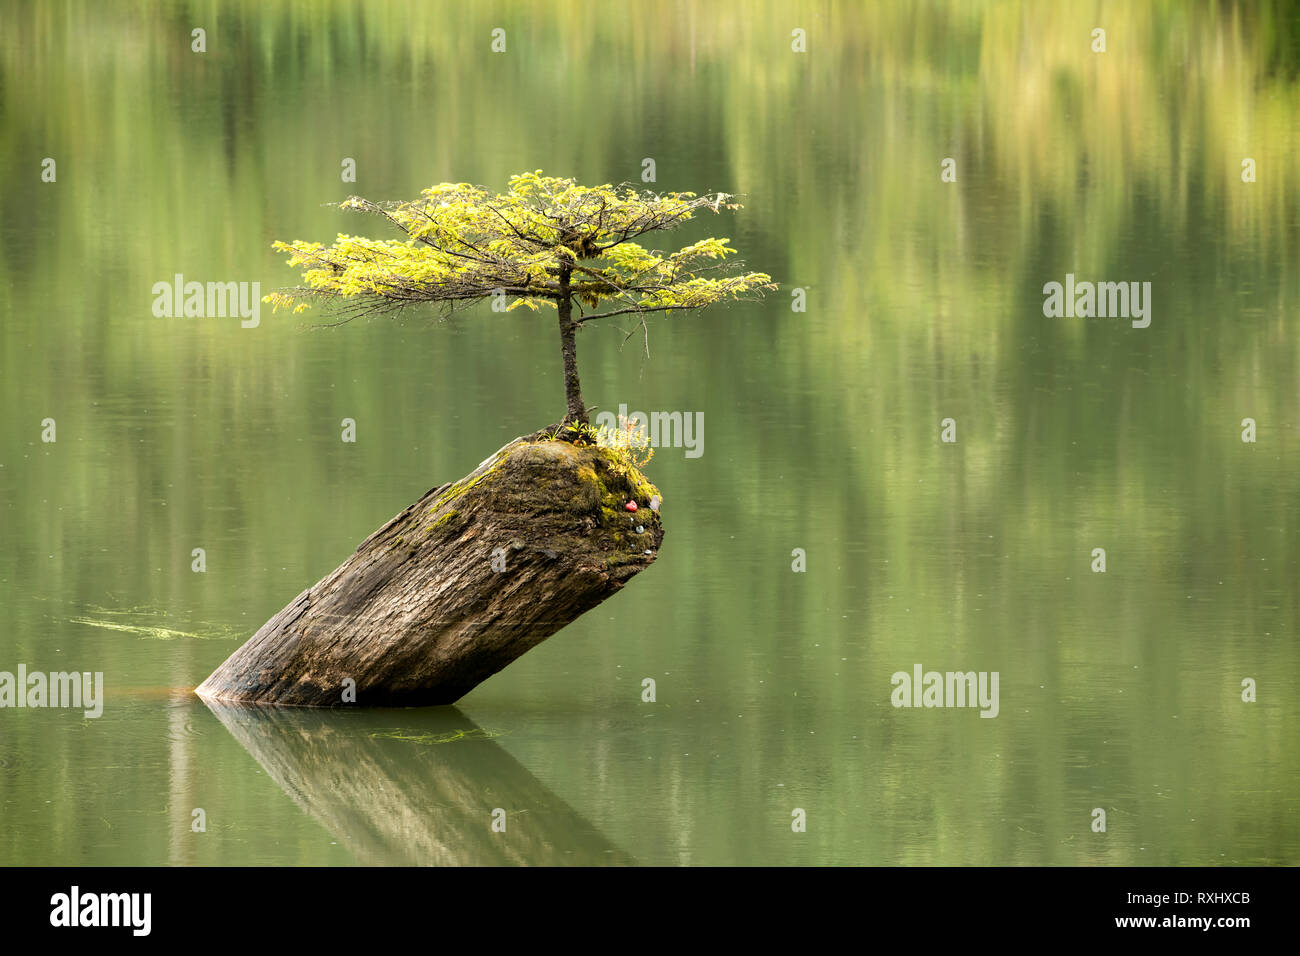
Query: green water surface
(1120, 691)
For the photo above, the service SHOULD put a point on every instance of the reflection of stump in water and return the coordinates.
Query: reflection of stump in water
(413, 787)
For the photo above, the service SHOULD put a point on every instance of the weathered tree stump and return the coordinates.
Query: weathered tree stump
(456, 586)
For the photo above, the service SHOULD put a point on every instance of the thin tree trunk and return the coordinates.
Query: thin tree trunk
(576, 411)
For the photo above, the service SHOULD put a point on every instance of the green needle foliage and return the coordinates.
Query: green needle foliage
(546, 242)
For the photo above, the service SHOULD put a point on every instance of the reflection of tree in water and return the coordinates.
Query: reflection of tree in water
(419, 794)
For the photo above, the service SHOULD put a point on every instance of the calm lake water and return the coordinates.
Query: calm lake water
(1119, 690)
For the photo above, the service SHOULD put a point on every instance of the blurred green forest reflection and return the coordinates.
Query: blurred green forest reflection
(924, 302)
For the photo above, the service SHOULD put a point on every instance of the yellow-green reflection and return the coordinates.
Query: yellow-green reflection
(1118, 690)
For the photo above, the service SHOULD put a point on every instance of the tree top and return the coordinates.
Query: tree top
(543, 241)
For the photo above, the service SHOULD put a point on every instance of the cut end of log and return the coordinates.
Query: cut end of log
(457, 585)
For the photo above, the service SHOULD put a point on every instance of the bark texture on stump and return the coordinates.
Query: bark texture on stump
(456, 586)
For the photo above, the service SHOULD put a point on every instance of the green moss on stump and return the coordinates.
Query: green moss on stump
(551, 493)
(447, 516)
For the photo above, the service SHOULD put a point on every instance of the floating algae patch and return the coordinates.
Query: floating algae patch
(475, 733)
(155, 633)
(143, 622)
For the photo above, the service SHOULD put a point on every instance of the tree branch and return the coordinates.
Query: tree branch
(653, 308)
